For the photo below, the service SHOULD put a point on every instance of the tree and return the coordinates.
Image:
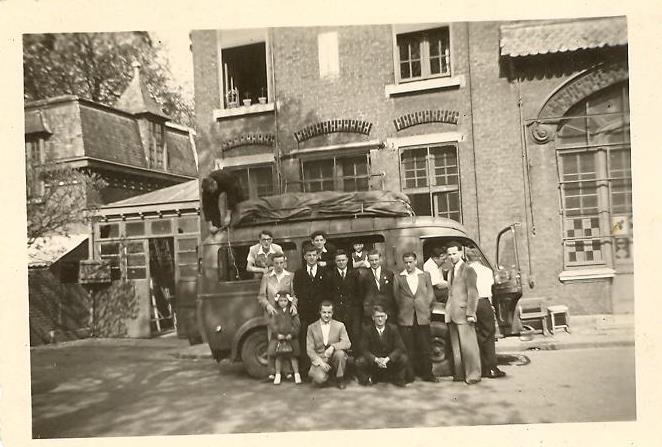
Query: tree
(60, 198)
(97, 66)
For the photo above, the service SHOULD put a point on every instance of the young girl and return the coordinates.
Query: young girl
(284, 345)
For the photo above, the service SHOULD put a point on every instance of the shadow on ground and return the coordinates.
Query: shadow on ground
(84, 391)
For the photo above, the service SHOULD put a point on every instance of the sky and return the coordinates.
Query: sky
(177, 50)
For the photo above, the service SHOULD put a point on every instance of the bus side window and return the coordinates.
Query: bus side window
(232, 263)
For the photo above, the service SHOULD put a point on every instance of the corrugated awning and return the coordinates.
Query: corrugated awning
(47, 250)
(545, 37)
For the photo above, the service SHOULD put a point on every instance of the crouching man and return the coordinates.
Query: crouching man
(383, 353)
(326, 343)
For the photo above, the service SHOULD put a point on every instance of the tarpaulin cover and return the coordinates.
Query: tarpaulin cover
(323, 204)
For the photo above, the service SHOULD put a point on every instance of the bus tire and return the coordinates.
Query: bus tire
(254, 353)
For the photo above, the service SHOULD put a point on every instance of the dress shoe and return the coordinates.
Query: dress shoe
(340, 383)
(366, 382)
(472, 381)
(400, 383)
(458, 379)
(495, 374)
(431, 379)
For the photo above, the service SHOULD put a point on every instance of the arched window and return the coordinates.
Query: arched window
(593, 154)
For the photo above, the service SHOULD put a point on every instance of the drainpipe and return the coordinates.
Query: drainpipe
(277, 154)
(473, 137)
(526, 179)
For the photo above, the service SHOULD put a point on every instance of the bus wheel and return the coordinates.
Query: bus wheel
(254, 354)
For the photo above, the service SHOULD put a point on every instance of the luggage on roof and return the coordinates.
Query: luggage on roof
(324, 204)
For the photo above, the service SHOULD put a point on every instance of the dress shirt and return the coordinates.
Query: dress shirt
(342, 272)
(456, 267)
(380, 331)
(484, 279)
(412, 279)
(436, 274)
(312, 271)
(279, 276)
(252, 252)
(326, 327)
(377, 273)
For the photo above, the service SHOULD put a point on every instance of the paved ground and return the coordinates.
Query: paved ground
(111, 388)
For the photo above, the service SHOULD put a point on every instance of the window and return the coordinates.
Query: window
(232, 261)
(423, 54)
(327, 50)
(156, 155)
(347, 174)
(430, 177)
(110, 252)
(187, 257)
(244, 69)
(596, 179)
(34, 158)
(136, 261)
(256, 181)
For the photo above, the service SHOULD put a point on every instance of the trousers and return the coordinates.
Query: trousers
(466, 356)
(418, 341)
(485, 332)
(338, 363)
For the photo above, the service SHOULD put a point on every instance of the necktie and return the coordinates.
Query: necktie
(310, 273)
(374, 272)
(342, 273)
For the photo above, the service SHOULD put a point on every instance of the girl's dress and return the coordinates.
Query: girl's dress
(283, 322)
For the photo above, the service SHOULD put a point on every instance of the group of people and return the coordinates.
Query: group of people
(339, 301)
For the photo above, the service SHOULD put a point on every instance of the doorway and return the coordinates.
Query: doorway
(162, 285)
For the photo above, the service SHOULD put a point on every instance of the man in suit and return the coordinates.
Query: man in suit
(311, 285)
(461, 317)
(382, 352)
(346, 295)
(324, 251)
(377, 288)
(414, 298)
(326, 343)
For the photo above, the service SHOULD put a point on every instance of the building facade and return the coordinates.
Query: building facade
(135, 149)
(486, 123)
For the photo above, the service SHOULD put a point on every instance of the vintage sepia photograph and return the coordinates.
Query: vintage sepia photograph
(329, 227)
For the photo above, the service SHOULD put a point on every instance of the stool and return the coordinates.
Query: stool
(559, 317)
(533, 309)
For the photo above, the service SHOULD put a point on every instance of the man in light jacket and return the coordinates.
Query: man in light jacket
(326, 343)
(461, 317)
(414, 297)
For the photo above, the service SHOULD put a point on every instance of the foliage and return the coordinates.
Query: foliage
(97, 66)
(67, 198)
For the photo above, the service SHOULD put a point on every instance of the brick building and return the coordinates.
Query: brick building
(487, 123)
(136, 150)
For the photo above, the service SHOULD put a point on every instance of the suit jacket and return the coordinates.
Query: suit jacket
(390, 344)
(372, 295)
(270, 286)
(315, 346)
(419, 303)
(311, 292)
(462, 295)
(346, 292)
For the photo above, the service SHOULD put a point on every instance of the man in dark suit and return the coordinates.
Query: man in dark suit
(461, 317)
(414, 297)
(382, 352)
(377, 288)
(346, 295)
(312, 285)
